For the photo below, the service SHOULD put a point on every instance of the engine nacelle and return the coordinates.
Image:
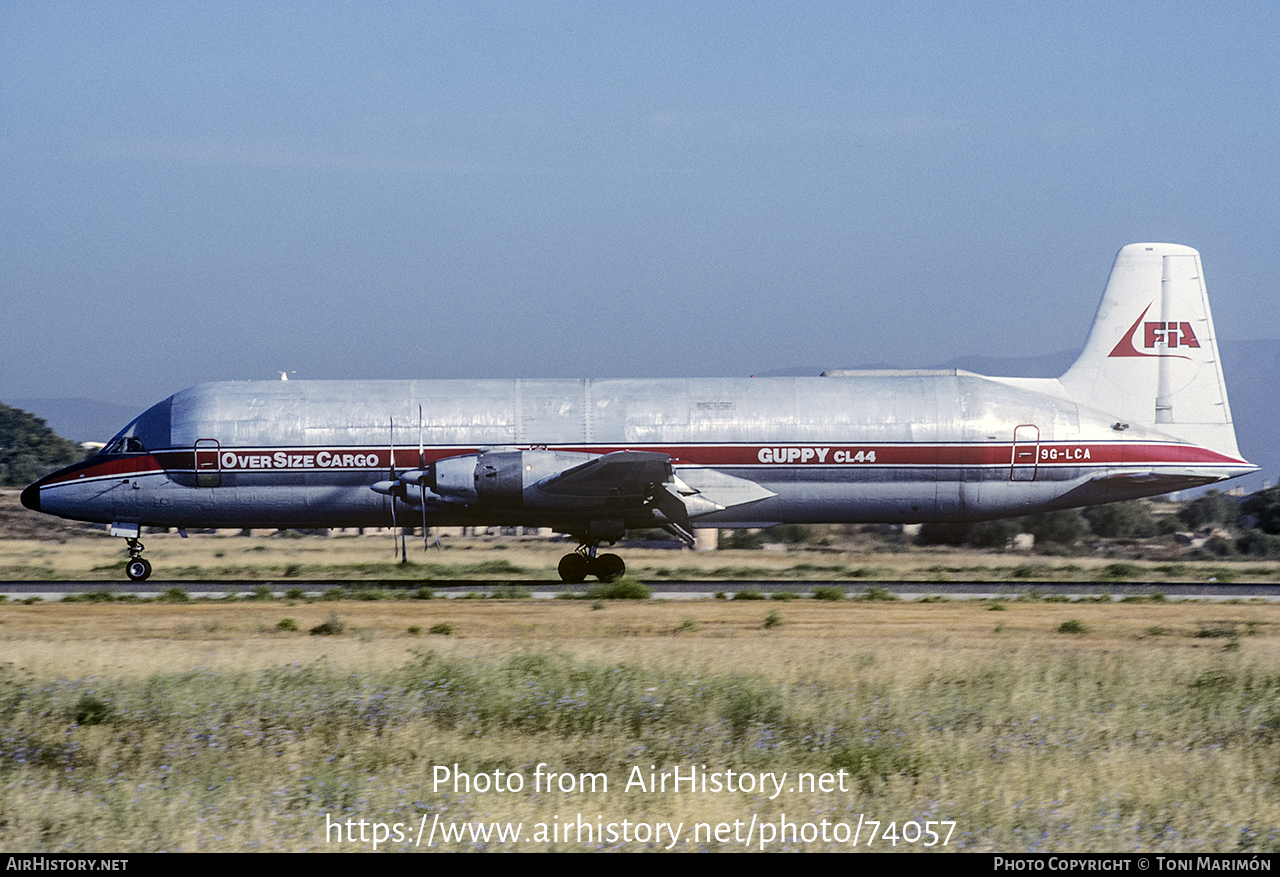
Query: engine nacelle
(498, 477)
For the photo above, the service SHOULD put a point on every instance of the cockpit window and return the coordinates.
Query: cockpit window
(149, 430)
(125, 445)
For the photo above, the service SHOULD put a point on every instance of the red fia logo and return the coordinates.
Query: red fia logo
(1170, 335)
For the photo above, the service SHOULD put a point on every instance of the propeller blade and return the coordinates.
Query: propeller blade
(391, 476)
(422, 484)
(395, 548)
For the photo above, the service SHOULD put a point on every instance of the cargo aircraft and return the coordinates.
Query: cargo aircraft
(1143, 411)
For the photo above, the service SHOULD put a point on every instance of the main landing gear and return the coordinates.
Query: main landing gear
(138, 569)
(575, 567)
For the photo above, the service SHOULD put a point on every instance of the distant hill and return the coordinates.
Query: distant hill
(29, 449)
(80, 420)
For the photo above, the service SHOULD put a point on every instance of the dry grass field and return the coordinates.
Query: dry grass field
(346, 558)
(1032, 726)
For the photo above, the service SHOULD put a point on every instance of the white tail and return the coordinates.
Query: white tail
(1152, 355)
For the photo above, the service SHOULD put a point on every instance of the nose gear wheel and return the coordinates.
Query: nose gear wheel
(138, 569)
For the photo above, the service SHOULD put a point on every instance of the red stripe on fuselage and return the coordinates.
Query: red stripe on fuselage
(117, 467)
(833, 455)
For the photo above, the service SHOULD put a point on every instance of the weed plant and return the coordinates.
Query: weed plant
(877, 594)
(511, 592)
(621, 588)
(331, 626)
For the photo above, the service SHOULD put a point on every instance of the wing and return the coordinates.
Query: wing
(622, 484)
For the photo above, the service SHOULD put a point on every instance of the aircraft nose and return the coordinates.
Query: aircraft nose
(31, 497)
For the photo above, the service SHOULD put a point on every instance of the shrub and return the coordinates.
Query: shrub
(621, 588)
(331, 626)
(511, 592)
(773, 619)
(739, 539)
(876, 594)
(993, 534)
(1131, 519)
(1062, 527)
(943, 534)
(90, 710)
(1258, 544)
(1029, 571)
(287, 624)
(1264, 506)
(1120, 571)
(1071, 626)
(90, 597)
(442, 629)
(1212, 508)
(1220, 546)
(832, 593)
(789, 534)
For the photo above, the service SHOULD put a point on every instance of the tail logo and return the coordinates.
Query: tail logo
(1168, 335)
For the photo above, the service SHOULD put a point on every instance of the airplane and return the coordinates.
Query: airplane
(1143, 411)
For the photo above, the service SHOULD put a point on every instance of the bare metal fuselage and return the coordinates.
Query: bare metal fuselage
(861, 447)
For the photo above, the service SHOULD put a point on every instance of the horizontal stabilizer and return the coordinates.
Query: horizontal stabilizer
(723, 490)
(1163, 481)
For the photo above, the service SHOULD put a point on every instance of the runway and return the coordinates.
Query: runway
(666, 590)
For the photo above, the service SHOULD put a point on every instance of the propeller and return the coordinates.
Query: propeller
(396, 486)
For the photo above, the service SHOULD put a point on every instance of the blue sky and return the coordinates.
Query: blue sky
(199, 192)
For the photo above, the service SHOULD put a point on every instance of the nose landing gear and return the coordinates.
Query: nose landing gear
(574, 568)
(138, 569)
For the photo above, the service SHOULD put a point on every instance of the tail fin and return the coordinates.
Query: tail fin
(1152, 355)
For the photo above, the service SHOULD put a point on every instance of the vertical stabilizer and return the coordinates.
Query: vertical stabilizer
(1152, 355)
